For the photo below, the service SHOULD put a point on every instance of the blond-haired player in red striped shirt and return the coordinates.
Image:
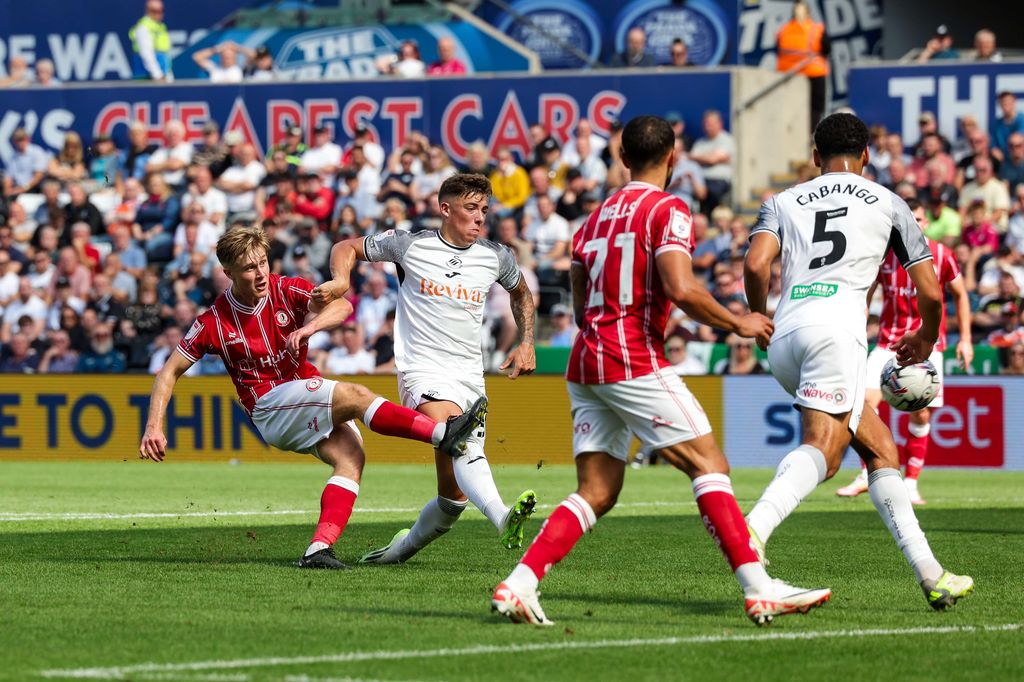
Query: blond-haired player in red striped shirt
(258, 327)
(631, 263)
(899, 316)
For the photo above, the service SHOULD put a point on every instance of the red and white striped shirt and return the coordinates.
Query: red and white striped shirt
(899, 295)
(251, 341)
(626, 307)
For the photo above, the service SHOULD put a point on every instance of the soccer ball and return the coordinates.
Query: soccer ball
(909, 388)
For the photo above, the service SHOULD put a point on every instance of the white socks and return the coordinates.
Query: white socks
(522, 579)
(436, 519)
(473, 474)
(799, 473)
(892, 501)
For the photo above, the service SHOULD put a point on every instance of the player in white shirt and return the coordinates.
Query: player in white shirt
(445, 276)
(832, 234)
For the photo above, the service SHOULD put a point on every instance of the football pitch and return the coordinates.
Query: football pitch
(136, 571)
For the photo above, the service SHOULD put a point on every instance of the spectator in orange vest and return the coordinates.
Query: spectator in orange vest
(804, 41)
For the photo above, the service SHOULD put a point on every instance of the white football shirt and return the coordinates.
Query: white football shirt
(441, 297)
(834, 231)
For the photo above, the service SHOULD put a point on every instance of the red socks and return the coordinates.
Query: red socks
(723, 519)
(917, 449)
(390, 419)
(559, 534)
(336, 504)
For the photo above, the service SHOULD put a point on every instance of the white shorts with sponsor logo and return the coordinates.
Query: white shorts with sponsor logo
(823, 368)
(416, 387)
(658, 408)
(297, 415)
(879, 356)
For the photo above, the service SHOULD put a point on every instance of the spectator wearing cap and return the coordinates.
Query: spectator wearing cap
(678, 123)
(991, 190)
(553, 164)
(105, 166)
(220, 62)
(635, 54)
(314, 201)
(211, 152)
(680, 54)
(939, 46)
(563, 328)
(240, 182)
(323, 157)
(570, 204)
(985, 47)
(26, 167)
(1011, 171)
(101, 356)
(687, 181)
(173, 158)
(716, 153)
(1010, 121)
(510, 184)
(571, 153)
(944, 222)
(447, 63)
(978, 140)
(927, 125)
(202, 191)
(136, 156)
(292, 146)
(259, 64)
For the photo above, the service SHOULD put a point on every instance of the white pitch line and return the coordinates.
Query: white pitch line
(123, 672)
(17, 517)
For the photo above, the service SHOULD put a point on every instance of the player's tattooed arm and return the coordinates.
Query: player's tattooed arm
(523, 358)
(343, 258)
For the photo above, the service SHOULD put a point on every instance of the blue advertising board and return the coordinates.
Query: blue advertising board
(598, 28)
(344, 52)
(854, 27)
(88, 39)
(895, 96)
(452, 111)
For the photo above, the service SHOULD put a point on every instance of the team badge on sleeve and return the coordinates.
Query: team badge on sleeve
(313, 384)
(681, 225)
(197, 327)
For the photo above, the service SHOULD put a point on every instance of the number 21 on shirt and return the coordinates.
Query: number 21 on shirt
(626, 243)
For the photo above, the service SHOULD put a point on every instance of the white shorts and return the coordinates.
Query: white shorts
(879, 356)
(416, 387)
(823, 368)
(658, 408)
(297, 415)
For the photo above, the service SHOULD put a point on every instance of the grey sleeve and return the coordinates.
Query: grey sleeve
(907, 240)
(387, 246)
(508, 270)
(768, 220)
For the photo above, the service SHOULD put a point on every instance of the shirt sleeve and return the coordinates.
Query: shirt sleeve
(199, 339)
(508, 270)
(672, 228)
(907, 240)
(387, 246)
(950, 268)
(297, 292)
(768, 220)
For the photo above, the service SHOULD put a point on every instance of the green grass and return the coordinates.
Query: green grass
(202, 585)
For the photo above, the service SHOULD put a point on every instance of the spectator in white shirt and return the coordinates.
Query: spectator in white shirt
(324, 157)
(206, 233)
(240, 181)
(348, 356)
(228, 70)
(373, 151)
(572, 155)
(173, 158)
(25, 303)
(550, 236)
(202, 191)
(374, 305)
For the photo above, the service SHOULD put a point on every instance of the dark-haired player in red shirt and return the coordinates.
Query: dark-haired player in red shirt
(258, 327)
(899, 316)
(631, 262)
